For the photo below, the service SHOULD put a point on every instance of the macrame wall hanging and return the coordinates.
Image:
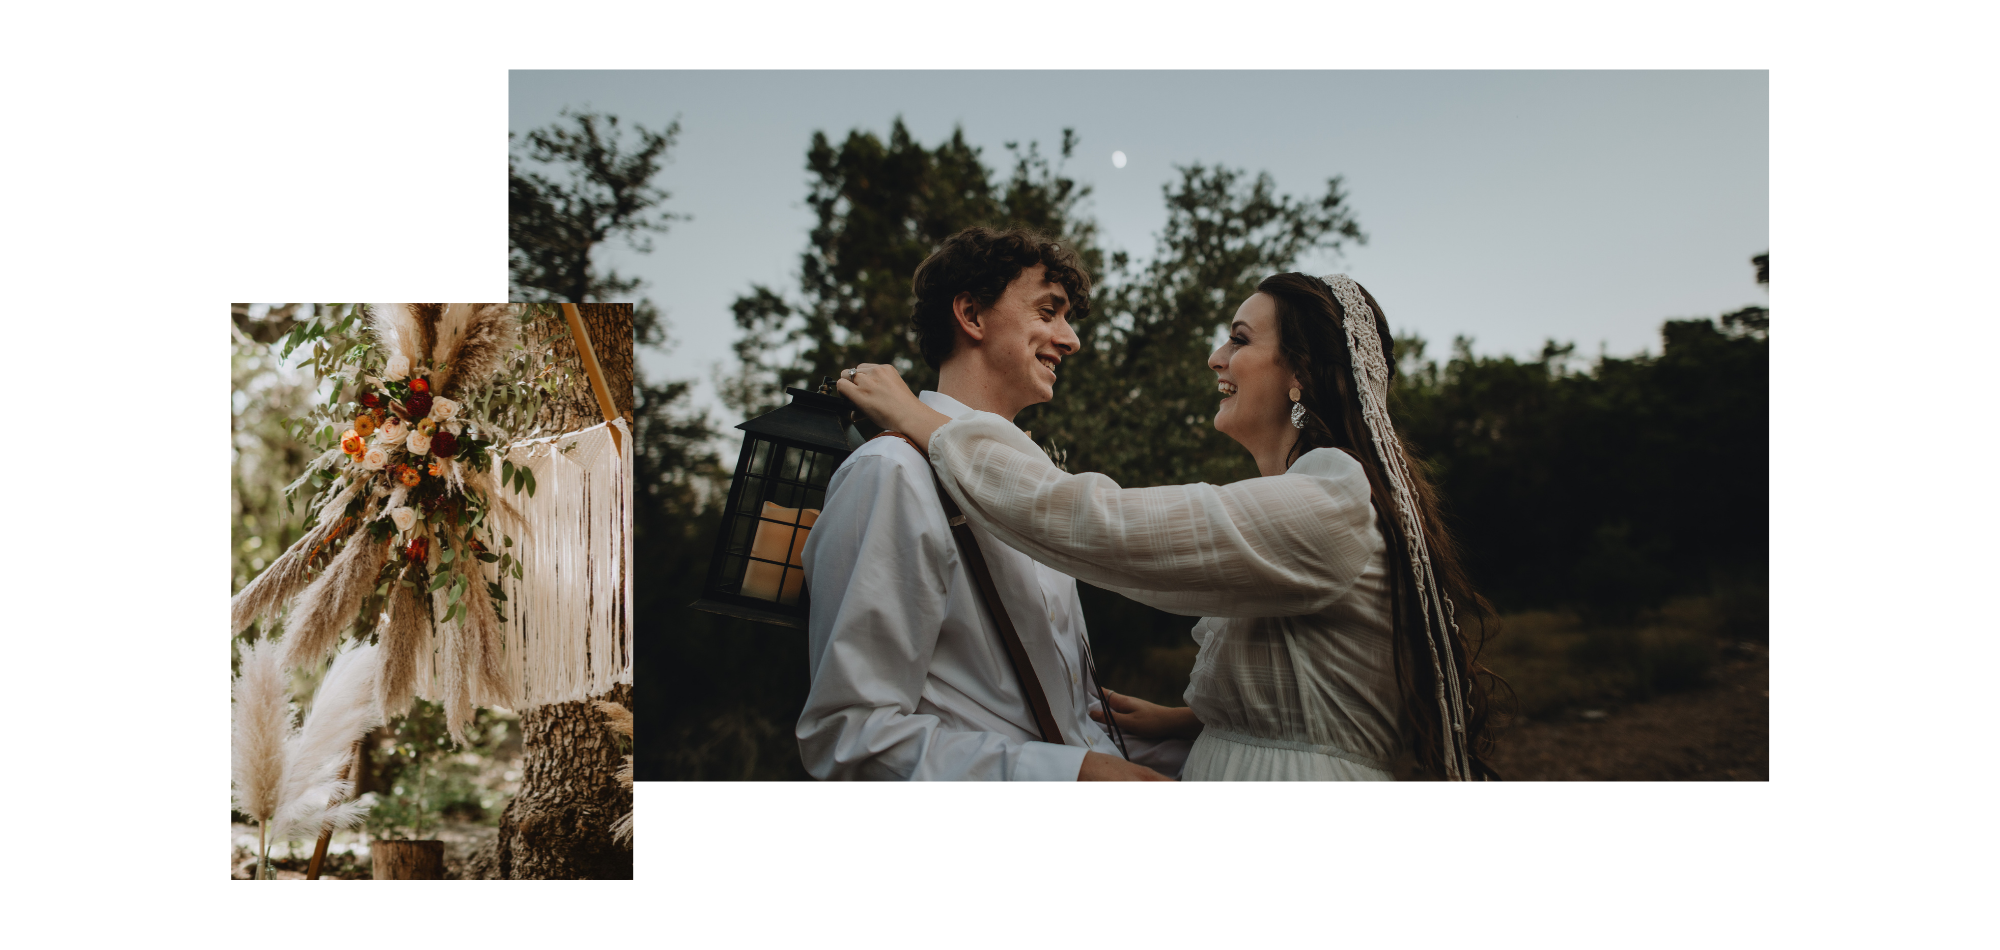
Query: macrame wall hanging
(485, 554)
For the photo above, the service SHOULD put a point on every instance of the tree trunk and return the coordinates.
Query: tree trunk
(559, 824)
(408, 860)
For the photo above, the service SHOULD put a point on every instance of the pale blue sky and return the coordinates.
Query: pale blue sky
(1510, 207)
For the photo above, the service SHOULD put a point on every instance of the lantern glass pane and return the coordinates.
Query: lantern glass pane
(786, 494)
(739, 536)
(822, 469)
(790, 468)
(815, 498)
(732, 574)
(791, 586)
(752, 497)
(760, 460)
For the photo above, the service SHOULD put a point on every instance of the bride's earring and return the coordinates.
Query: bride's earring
(1298, 410)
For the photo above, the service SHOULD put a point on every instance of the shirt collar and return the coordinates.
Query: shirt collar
(943, 403)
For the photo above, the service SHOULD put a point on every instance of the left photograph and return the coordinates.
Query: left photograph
(430, 658)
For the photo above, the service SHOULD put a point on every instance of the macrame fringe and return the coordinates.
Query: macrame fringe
(572, 616)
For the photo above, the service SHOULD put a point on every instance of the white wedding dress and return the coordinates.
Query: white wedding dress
(1295, 678)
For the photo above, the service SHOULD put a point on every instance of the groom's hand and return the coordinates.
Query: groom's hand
(1099, 767)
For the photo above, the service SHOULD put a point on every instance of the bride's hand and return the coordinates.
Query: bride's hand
(878, 390)
(1145, 720)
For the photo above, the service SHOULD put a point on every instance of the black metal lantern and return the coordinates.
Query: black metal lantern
(789, 455)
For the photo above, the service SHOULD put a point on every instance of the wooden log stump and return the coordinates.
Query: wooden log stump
(408, 860)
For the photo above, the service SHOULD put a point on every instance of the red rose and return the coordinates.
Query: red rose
(418, 385)
(372, 400)
(418, 547)
(419, 405)
(444, 445)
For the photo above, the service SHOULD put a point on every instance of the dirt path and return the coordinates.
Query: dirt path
(1718, 733)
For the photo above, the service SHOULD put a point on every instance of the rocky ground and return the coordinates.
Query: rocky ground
(1718, 732)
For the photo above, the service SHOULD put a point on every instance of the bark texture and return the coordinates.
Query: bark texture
(408, 860)
(558, 826)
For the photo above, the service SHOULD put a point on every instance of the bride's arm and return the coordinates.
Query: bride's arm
(1284, 545)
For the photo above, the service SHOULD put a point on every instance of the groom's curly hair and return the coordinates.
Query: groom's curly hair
(982, 262)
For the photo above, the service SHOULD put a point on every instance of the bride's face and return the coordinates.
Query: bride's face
(1254, 381)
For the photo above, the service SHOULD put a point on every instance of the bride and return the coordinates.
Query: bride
(1331, 643)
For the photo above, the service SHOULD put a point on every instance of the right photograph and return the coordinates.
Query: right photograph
(1154, 426)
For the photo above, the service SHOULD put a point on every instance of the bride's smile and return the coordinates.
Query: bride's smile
(1255, 384)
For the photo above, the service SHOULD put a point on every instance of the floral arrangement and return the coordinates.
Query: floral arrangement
(399, 530)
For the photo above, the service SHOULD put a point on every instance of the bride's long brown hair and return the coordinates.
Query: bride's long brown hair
(1312, 338)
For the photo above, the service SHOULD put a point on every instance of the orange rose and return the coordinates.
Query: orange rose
(435, 471)
(410, 476)
(418, 385)
(350, 442)
(364, 425)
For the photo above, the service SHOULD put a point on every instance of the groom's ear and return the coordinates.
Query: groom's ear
(966, 311)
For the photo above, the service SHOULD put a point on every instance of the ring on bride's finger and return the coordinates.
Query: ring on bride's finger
(847, 374)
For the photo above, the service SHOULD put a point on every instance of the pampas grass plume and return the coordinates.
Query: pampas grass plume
(260, 720)
(317, 756)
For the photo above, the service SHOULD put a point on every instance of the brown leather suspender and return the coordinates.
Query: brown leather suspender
(975, 562)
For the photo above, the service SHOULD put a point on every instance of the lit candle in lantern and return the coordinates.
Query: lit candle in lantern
(777, 545)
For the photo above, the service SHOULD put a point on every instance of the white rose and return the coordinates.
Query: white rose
(394, 431)
(442, 410)
(404, 519)
(374, 458)
(454, 427)
(399, 367)
(418, 444)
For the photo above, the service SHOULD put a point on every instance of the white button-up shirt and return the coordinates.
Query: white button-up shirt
(910, 679)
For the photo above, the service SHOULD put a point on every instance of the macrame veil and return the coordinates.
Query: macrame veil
(1371, 381)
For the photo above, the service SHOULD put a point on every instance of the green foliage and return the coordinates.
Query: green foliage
(419, 778)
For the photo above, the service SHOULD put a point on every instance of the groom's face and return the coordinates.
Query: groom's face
(1022, 339)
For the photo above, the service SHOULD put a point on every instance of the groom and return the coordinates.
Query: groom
(910, 679)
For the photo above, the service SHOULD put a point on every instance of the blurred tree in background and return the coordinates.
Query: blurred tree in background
(574, 187)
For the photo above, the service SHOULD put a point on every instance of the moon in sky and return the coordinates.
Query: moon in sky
(1118, 159)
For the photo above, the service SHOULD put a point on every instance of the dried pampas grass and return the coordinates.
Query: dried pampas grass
(329, 603)
(457, 665)
(397, 328)
(472, 344)
(489, 643)
(618, 719)
(284, 577)
(315, 786)
(260, 718)
(405, 641)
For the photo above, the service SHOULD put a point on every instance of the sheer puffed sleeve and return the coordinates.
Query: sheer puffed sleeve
(1280, 546)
